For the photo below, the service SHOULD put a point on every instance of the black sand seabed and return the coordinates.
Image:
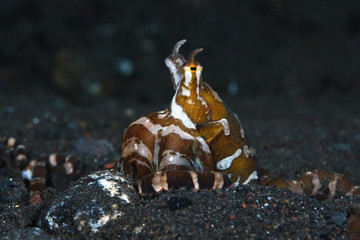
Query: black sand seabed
(290, 137)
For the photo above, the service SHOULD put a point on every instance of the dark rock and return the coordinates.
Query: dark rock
(344, 147)
(339, 218)
(176, 203)
(90, 205)
(98, 147)
(12, 190)
(14, 216)
(32, 233)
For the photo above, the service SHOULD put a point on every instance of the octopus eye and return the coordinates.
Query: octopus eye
(192, 68)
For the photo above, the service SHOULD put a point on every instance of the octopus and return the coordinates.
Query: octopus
(196, 143)
(199, 143)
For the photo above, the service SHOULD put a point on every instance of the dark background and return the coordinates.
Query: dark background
(86, 50)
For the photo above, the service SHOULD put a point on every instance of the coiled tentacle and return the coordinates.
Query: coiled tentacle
(317, 183)
(54, 169)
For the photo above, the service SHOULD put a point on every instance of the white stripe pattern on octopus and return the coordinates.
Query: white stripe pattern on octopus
(178, 113)
(225, 163)
(253, 176)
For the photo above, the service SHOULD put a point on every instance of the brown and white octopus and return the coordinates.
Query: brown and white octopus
(196, 143)
(199, 143)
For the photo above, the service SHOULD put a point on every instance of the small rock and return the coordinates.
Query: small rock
(339, 218)
(98, 147)
(12, 190)
(87, 208)
(343, 147)
(31, 233)
(176, 203)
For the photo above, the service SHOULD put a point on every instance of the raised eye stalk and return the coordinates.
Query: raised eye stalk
(191, 59)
